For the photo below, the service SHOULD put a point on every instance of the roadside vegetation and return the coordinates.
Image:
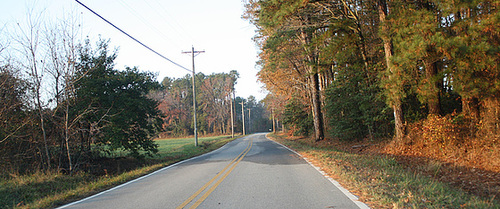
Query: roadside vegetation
(413, 86)
(51, 189)
(388, 181)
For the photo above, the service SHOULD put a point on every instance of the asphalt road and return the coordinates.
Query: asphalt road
(250, 172)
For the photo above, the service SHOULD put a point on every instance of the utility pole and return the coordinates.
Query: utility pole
(249, 121)
(232, 114)
(243, 116)
(193, 54)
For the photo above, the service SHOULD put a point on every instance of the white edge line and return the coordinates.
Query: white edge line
(142, 177)
(353, 198)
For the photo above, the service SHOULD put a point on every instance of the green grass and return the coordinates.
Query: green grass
(382, 182)
(48, 190)
(175, 148)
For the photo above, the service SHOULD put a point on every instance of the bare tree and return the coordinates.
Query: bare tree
(29, 40)
(61, 42)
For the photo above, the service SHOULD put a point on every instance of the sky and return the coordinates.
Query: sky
(167, 26)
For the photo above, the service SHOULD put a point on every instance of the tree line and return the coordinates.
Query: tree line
(64, 104)
(365, 69)
(215, 102)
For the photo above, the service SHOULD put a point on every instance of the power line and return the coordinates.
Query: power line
(168, 22)
(175, 23)
(144, 45)
(147, 23)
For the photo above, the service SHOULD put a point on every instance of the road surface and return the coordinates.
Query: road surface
(250, 172)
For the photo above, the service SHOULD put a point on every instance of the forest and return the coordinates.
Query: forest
(423, 74)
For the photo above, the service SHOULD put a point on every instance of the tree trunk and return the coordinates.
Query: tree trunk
(490, 118)
(434, 99)
(471, 111)
(313, 85)
(44, 134)
(399, 127)
(470, 108)
(274, 121)
(66, 136)
(396, 100)
(316, 107)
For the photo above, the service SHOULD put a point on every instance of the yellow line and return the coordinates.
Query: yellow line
(199, 201)
(213, 179)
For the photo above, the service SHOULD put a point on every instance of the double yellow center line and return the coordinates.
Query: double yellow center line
(232, 164)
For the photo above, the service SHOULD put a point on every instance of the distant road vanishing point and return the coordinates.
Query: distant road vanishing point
(250, 172)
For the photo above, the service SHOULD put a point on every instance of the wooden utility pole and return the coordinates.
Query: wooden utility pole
(232, 114)
(243, 116)
(193, 54)
(249, 121)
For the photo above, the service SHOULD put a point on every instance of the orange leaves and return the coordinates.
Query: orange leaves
(440, 131)
(448, 139)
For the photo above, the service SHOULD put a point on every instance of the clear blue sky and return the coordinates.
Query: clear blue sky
(167, 26)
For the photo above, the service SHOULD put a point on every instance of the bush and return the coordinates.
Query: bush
(355, 112)
(297, 118)
(448, 139)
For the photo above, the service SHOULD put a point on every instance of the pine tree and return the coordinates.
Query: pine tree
(475, 48)
(394, 83)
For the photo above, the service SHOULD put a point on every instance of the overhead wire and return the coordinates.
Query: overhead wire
(169, 23)
(147, 23)
(165, 11)
(139, 42)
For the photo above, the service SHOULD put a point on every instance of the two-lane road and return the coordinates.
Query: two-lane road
(250, 172)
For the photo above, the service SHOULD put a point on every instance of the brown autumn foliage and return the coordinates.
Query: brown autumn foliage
(449, 140)
(445, 149)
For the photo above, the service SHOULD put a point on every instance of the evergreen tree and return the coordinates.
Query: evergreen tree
(474, 48)
(114, 104)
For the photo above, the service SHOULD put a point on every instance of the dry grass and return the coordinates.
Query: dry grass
(444, 148)
(51, 189)
(389, 181)
(449, 141)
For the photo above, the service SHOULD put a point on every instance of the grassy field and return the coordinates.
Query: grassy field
(48, 190)
(383, 182)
